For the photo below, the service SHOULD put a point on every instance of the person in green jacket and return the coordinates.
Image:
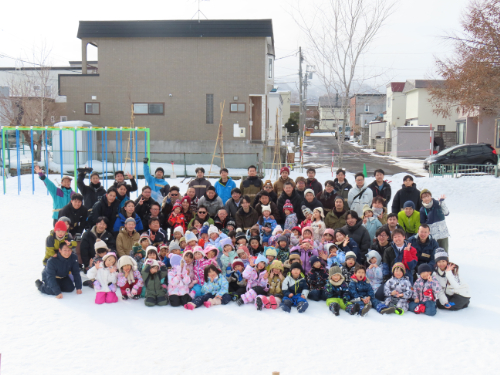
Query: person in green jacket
(152, 274)
(409, 218)
(60, 196)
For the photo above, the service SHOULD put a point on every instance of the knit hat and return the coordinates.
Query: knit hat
(173, 246)
(294, 256)
(210, 248)
(127, 260)
(350, 254)
(285, 169)
(159, 169)
(306, 211)
(266, 208)
(240, 234)
(409, 204)
(329, 231)
(366, 208)
(313, 260)
(190, 236)
(329, 246)
(130, 220)
(65, 219)
(180, 230)
(182, 239)
(226, 241)
(277, 229)
(288, 206)
(231, 222)
(243, 249)
(198, 249)
(399, 265)
(163, 246)
(60, 225)
(152, 263)
(100, 245)
(186, 252)
(282, 238)
(307, 240)
(339, 197)
(373, 254)
(334, 271)
(320, 209)
(110, 254)
(297, 265)
(145, 236)
(424, 191)
(307, 191)
(204, 229)
(261, 258)
(212, 229)
(298, 229)
(153, 248)
(186, 198)
(424, 267)
(270, 251)
(441, 254)
(309, 229)
(177, 204)
(237, 262)
(175, 260)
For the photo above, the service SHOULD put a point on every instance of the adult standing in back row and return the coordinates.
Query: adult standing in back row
(381, 188)
(284, 177)
(224, 186)
(342, 186)
(312, 183)
(200, 183)
(359, 195)
(252, 184)
(408, 192)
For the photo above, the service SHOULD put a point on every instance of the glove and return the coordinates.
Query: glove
(145, 160)
(81, 170)
(112, 287)
(89, 170)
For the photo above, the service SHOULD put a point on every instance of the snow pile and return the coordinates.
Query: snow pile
(42, 335)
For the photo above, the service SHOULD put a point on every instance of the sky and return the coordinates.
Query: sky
(405, 48)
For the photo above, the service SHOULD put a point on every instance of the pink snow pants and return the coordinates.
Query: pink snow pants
(108, 297)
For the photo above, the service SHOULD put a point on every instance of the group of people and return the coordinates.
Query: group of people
(275, 245)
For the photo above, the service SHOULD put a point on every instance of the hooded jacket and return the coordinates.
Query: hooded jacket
(375, 274)
(223, 190)
(120, 221)
(178, 280)
(338, 289)
(59, 267)
(218, 287)
(213, 205)
(342, 190)
(450, 285)
(91, 193)
(255, 279)
(406, 194)
(152, 282)
(402, 286)
(317, 278)
(425, 290)
(52, 244)
(295, 286)
(361, 289)
(409, 224)
(60, 196)
(434, 217)
(365, 198)
(104, 276)
(392, 255)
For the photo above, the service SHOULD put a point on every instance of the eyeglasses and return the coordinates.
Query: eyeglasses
(202, 212)
(174, 195)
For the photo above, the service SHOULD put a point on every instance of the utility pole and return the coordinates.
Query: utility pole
(301, 111)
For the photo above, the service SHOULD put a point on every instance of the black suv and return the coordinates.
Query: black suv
(472, 153)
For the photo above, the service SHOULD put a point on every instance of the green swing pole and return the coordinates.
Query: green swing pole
(74, 158)
(148, 139)
(3, 160)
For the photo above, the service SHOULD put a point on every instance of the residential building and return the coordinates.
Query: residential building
(476, 127)
(365, 104)
(395, 112)
(173, 77)
(287, 98)
(331, 113)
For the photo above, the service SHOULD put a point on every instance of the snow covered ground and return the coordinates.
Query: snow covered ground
(42, 335)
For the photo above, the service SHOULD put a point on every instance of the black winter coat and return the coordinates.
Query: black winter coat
(326, 200)
(78, 218)
(60, 267)
(317, 278)
(89, 238)
(385, 192)
(272, 197)
(359, 234)
(91, 193)
(315, 185)
(312, 205)
(406, 194)
(101, 208)
(130, 188)
(425, 251)
(296, 201)
(274, 210)
(379, 248)
(342, 190)
(143, 210)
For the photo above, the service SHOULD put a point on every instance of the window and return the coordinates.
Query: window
(441, 128)
(63, 118)
(460, 133)
(270, 68)
(210, 108)
(148, 108)
(52, 119)
(237, 108)
(92, 108)
(462, 151)
(367, 107)
(498, 134)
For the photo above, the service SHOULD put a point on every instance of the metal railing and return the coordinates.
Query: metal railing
(462, 170)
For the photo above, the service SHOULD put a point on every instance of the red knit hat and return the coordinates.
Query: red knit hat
(177, 204)
(288, 205)
(284, 169)
(60, 225)
(186, 198)
(297, 229)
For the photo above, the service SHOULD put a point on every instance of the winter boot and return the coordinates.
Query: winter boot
(335, 308)
(97, 285)
(87, 283)
(136, 296)
(240, 302)
(259, 303)
(39, 285)
(190, 306)
(399, 311)
(272, 302)
(302, 306)
(286, 306)
(207, 304)
(352, 309)
(124, 297)
(383, 309)
(129, 293)
(112, 287)
(365, 309)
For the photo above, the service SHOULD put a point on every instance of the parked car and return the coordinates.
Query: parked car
(472, 153)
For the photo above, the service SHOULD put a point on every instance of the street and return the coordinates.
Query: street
(318, 154)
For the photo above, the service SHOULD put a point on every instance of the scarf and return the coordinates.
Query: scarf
(428, 205)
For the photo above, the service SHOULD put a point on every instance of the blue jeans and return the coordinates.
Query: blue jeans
(430, 307)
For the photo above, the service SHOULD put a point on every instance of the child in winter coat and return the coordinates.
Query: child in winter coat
(228, 255)
(409, 219)
(266, 224)
(214, 290)
(455, 294)
(336, 257)
(294, 258)
(316, 279)
(129, 278)
(327, 239)
(291, 217)
(308, 217)
(318, 225)
(188, 258)
(271, 254)
(349, 266)
(257, 281)
(191, 241)
(243, 253)
(397, 289)
(237, 283)
(177, 218)
(178, 282)
(425, 291)
(56, 237)
(163, 253)
(178, 233)
(362, 294)
(277, 232)
(152, 274)
(296, 236)
(199, 270)
(295, 290)
(370, 222)
(433, 214)
(101, 249)
(374, 270)
(275, 293)
(211, 255)
(255, 247)
(337, 292)
(306, 251)
(283, 252)
(104, 274)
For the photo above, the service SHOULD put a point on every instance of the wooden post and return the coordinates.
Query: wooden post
(276, 373)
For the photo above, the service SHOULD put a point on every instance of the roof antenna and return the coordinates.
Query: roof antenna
(198, 12)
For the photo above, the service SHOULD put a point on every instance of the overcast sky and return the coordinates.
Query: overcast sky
(406, 47)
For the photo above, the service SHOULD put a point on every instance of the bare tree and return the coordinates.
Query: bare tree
(337, 34)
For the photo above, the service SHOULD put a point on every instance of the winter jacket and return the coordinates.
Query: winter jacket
(104, 276)
(59, 267)
(425, 251)
(231, 207)
(275, 286)
(295, 286)
(124, 241)
(144, 209)
(91, 193)
(246, 220)
(52, 244)
(130, 188)
(120, 221)
(226, 261)
(200, 186)
(312, 205)
(159, 236)
(351, 246)
(218, 287)
(393, 255)
(251, 186)
(89, 238)
(335, 220)
(336, 260)
(152, 282)
(315, 185)
(361, 289)
(318, 230)
(409, 224)
(156, 184)
(365, 198)
(348, 272)
(279, 183)
(255, 279)
(274, 210)
(290, 221)
(360, 235)
(178, 220)
(342, 190)
(317, 278)
(134, 287)
(434, 217)
(305, 256)
(199, 270)
(178, 281)
(337, 290)
(236, 281)
(379, 248)
(60, 196)
(404, 195)
(78, 218)
(402, 286)
(371, 225)
(296, 201)
(101, 208)
(425, 290)
(223, 190)
(283, 254)
(326, 200)
(213, 205)
(450, 285)
(383, 191)
(375, 276)
(262, 222)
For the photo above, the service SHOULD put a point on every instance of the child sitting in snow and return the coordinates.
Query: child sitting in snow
(454, 294)
(101, 249)
(104, 274)
(316, 279)
(374, 271)
(152, 274)
(291, 217)
(129, 278)
(178, 282)
(214, 290)
(237, 283)
(275, 293)
(228, 255)
(257, 283)
(425, 291)
(294, 258)
(397, 289)
(349, 266)
(295, 290)
(337, 292)
(199, 270)
(318, 224)
(335, 257)
(370, 222)
(306, 251)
